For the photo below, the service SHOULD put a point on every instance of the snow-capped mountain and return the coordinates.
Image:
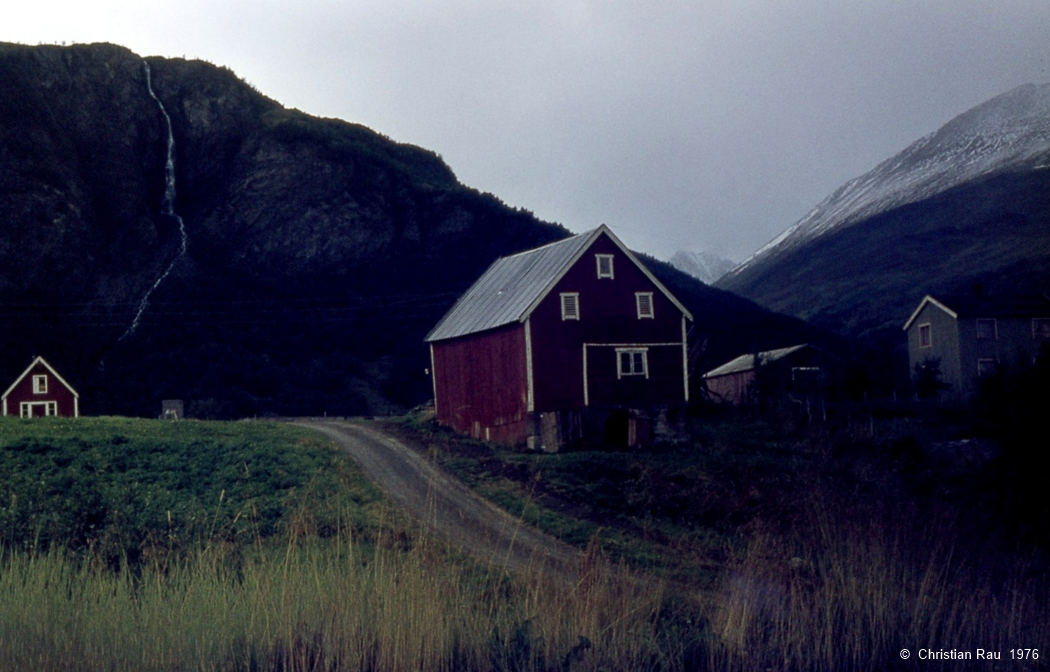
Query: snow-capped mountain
(1010, 132)
(707, 267)
(966, 206)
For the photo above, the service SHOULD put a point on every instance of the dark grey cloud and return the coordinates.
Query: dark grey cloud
(711, 124)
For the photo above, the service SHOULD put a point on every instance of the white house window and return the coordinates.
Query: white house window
(632, 362)
(925, 339)
(605, 265)
(986, 330)
(570, 306)
(40, 384)
(644, 301)
(1041, 327)
(986, 367)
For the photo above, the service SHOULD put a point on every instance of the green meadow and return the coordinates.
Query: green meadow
(143, 545)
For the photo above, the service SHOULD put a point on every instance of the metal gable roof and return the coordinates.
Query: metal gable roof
(747, 362)
(513, 286)
(510, 287)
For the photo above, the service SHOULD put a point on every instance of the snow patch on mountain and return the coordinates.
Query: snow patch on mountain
(707, 267)
(1007, 133)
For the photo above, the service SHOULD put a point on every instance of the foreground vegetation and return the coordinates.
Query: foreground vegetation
(828, 546)
(767, 561)
(324, 607)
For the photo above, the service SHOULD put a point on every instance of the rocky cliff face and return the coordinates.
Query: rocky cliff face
(317, 252)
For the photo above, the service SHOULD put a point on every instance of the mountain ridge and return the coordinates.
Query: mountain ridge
(1008, 133)
(965, 206)
(318, 252)
(707, 267)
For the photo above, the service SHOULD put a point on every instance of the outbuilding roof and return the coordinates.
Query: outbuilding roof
(747, 362)
(513, 286)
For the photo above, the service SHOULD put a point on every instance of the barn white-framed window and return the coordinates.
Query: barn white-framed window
(805, 372)
(570, 305)
(40, 384)
(1041, 327)
(644, 302)
(925, 336)
(986, 329)
(632, 362)
(36, 409)
(605, 265)
(986, 367)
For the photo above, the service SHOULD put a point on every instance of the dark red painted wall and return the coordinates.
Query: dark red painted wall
(663, 386)
(608, 315)
(482, 378)
(56, 392)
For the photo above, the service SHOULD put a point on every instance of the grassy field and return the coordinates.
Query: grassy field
(143, 545)
(814, 549)
(257, 546)
(125, 490)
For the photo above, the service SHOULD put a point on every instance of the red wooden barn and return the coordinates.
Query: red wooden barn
(572, 343)
(40, 391)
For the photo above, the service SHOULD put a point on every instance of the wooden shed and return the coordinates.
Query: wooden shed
(40, 392)
(799, 371)
(572, 342)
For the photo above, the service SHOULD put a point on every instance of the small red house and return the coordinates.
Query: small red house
(573, 341)
(39, 392)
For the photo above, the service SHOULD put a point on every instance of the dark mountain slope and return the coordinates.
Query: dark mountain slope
(869, 277)
(318, 252)
(966, 205)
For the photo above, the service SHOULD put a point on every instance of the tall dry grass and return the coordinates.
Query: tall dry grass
(851, 593)
(325, 606)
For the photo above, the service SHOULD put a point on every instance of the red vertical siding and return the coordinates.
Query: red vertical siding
(481, 385)
(732, 387)
(56, 392)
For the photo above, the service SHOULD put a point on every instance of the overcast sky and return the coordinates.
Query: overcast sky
(697, 125)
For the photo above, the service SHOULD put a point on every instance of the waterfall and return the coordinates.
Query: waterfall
(167, 206)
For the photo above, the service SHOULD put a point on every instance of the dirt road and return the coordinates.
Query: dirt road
(446, 506)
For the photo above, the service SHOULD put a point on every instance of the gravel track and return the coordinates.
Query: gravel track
(446, 506)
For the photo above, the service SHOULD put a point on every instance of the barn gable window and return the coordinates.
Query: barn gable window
(570, 306)
(605, 265)
(925, 337)
(40, 384)
(644, 303)
(986, 330)
(632, 362)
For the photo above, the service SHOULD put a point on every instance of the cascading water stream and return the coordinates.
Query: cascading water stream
(167, 207)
